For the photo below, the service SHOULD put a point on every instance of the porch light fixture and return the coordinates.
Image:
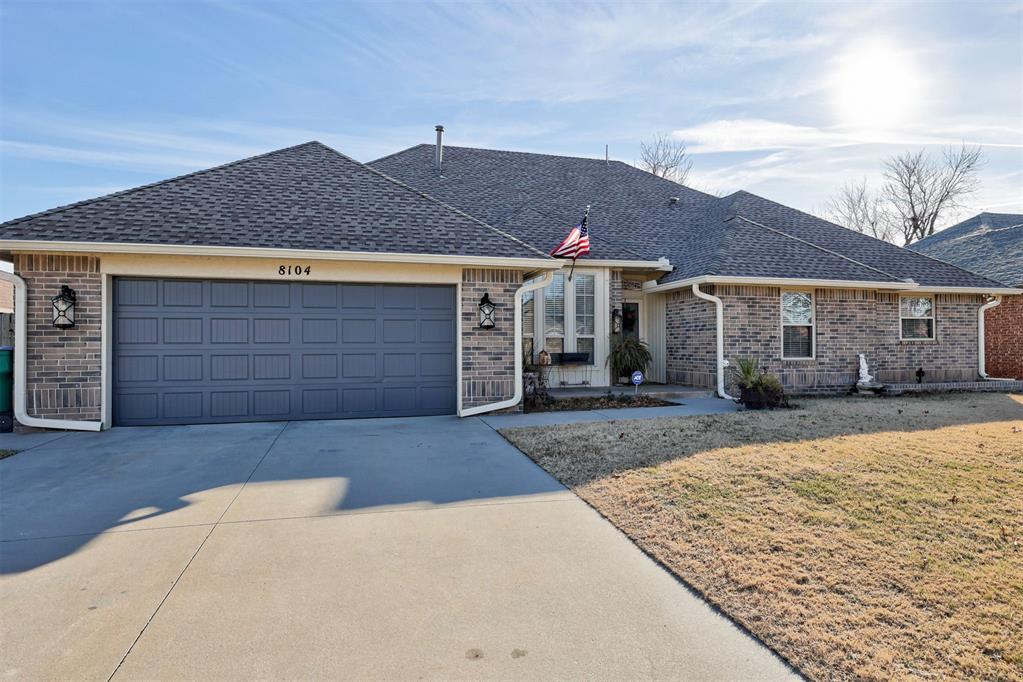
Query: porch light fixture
(487, 309)
(64, 307)
(616, 321)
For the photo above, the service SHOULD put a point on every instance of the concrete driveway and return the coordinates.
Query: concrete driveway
(406, 548)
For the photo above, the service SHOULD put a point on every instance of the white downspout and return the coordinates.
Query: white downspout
(512, 402)
(719, 312)
(982, 361)
(20, 335)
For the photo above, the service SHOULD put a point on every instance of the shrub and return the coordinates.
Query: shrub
(758, 389)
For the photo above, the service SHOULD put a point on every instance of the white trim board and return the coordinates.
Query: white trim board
(100, 248)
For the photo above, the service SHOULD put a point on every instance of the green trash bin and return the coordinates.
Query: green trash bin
(6, 388)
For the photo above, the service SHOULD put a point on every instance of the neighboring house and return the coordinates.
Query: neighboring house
(990, 244)
(301, 284)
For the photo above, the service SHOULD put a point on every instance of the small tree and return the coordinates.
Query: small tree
(666, 157)
(921, 189)
(858, 208)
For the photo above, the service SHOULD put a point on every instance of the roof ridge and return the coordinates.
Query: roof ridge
(131, 190)
(429, 197)
(818, 247)
(400, 151)
(848, 229)
(969, 235)
(607, 162)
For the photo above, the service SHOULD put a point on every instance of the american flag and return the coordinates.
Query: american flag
(577, 243)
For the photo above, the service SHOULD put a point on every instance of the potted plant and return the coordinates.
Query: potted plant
(757, 389)
(627, 355)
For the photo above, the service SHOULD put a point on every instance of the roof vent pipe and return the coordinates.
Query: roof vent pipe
(438, 151)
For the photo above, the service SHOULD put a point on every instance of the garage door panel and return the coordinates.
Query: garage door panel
(229, 294)
(182, 293)
(271, 295)
(189, 351)
(182, 368)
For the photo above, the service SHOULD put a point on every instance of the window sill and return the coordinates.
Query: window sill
(918, 340)
(799, 359)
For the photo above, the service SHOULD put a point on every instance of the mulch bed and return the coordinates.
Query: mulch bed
(603, 402)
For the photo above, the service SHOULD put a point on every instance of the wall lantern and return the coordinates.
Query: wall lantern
(487, 309)
(616, 321)
(64, 307)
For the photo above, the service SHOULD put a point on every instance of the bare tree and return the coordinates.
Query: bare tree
(855, 206)
(922, 189)
(666, 157)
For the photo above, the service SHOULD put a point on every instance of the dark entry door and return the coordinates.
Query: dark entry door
(208, 351)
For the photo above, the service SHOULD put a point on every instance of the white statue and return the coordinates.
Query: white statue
(865, 377)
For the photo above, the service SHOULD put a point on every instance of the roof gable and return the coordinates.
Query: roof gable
(304, 197)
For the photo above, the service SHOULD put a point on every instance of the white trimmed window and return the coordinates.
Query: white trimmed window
(554, 315)
(528, 324)
(797, 325)
(916, 318)
(563, 318)
(585, 314)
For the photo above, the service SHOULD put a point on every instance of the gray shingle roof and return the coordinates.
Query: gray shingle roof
(990, 244)
(537, 197)
(303, 197)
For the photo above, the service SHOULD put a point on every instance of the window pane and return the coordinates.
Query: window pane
(796, 308)
(527, 349)
(554, 306)
(584, 302)
(585, 346)
(528, 319)
(917, 329)
(917, 307)
(630, 320)
(554, 345)
(797, 342)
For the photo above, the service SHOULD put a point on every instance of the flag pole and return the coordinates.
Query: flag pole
(572, 271)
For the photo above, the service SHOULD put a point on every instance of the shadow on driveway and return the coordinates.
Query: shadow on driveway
(69, 489)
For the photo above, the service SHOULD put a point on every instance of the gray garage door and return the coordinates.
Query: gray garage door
(192, 351)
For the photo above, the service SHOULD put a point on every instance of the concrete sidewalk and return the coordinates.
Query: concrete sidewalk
(380, 549)
(689, 407)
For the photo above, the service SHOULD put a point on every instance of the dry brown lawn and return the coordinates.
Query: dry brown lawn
(859, 538)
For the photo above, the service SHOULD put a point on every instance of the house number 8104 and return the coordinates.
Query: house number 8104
(293, 270)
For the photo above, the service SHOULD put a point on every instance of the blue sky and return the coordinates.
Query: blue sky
(785, 100)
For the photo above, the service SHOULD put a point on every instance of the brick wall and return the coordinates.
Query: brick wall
(1003, 338)
(63, 365)
(848, 322)
(488, 355)
(690, 341)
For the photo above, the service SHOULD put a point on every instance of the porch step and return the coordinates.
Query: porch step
(941, 387)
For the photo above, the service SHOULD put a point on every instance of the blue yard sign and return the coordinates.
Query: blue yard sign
(637, 379)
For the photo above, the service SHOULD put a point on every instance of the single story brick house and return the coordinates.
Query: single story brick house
(990, 244)
(301, 284)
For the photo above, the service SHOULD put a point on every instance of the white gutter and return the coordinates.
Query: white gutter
(719, 313)
(268, 252)
(661, 264)
(512, 402)
(20, 334)
(982, 369)
(654, 288)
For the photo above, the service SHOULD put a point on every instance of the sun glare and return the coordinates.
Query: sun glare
(875, 86)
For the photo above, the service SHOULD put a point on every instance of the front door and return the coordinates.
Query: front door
(630, 319)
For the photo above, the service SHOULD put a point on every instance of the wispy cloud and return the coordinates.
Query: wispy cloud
(745, 135)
